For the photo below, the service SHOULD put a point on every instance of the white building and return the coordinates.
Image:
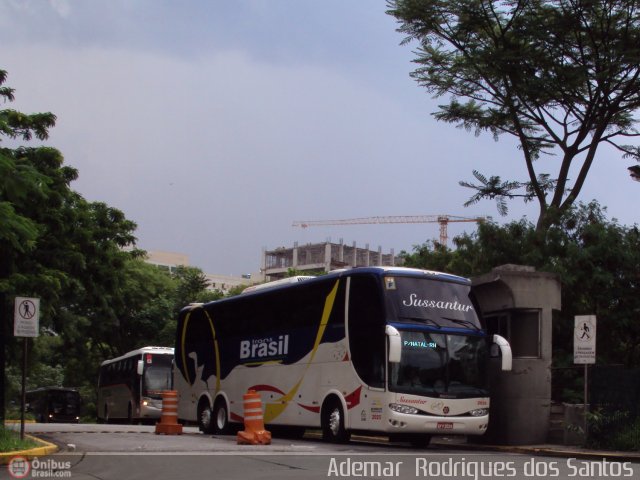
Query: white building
(171, 260)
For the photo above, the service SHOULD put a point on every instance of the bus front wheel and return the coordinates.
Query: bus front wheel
(332, 419)
(420, 440)
(205, 423)
(416, 440)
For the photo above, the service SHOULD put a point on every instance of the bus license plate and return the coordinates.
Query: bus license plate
(444, 426)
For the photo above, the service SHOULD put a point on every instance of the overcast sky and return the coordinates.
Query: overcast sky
(214, 124)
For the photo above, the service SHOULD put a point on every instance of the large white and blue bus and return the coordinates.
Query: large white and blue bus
(398, 351)
(130, 386)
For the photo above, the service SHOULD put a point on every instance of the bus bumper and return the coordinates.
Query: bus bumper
(57, 418)
(436, 425)
(150, 408)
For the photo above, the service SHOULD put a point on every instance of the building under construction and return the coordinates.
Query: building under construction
(322, 257)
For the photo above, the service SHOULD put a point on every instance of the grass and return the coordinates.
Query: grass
(10, 441)
(617, 430)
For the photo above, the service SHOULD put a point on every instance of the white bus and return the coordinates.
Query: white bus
(130, 387)
(397, 351)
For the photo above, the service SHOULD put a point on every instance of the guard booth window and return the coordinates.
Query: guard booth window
(520, 327)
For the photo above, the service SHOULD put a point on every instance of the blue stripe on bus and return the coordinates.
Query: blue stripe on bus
(433, 329)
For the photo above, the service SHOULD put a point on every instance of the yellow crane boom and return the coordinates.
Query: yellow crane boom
(443, 220)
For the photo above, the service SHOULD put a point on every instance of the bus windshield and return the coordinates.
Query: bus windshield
(440, 365)
(157, 378)
(428, 302)
(444, 349)
(157, 375)
(65, 402)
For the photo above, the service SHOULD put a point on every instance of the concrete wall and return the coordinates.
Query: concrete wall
(520, 399)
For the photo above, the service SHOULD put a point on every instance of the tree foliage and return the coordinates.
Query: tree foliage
(99, 299)
(597, 260)
(191, 287)
(559, 76)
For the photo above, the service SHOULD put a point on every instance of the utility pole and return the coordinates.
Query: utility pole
(4, 322)
(5, 332)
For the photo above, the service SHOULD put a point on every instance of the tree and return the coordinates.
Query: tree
(17, 182)
(597, 260)
(191, 287)
(560, 76)
(59, 247)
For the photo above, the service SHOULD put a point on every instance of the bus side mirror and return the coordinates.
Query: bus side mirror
(140, 368)
(395, 344)
(501, 348)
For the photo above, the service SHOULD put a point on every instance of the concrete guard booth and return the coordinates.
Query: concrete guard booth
(518, 303)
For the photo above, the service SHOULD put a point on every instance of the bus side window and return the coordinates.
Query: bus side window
(366, 329)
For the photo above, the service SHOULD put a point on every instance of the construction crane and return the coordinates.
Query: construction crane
(443, 220)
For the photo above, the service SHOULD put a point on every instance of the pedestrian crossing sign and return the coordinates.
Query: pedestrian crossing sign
(584, 339)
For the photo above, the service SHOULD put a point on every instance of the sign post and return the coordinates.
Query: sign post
(584, 351)
(26, 317)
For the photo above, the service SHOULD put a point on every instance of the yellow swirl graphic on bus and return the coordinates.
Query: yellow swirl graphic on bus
(273, 410)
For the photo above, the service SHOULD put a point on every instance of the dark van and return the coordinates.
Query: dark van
(54, 404)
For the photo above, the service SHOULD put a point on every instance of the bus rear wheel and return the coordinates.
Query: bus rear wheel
(332, 420)
(220, 418)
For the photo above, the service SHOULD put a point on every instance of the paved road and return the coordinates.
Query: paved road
(121, 452)
(142, 438)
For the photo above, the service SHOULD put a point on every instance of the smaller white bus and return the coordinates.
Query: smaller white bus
(130, 387)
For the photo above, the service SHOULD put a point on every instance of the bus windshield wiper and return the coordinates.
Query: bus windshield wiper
(422, 320)
(464, 322)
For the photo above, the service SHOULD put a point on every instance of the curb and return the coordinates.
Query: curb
(548, 451)
(46, 448)
(555, 452)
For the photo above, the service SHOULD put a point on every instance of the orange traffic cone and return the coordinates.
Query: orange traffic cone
(254, 432)
(169, 419)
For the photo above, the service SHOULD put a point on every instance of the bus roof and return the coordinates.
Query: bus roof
(292, 281)
(399, 271)
(57, 389)
(408, 272)
(140, 351)
(277, 283)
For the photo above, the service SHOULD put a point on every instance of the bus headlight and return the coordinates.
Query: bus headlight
(396, 407)
(479, 412)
